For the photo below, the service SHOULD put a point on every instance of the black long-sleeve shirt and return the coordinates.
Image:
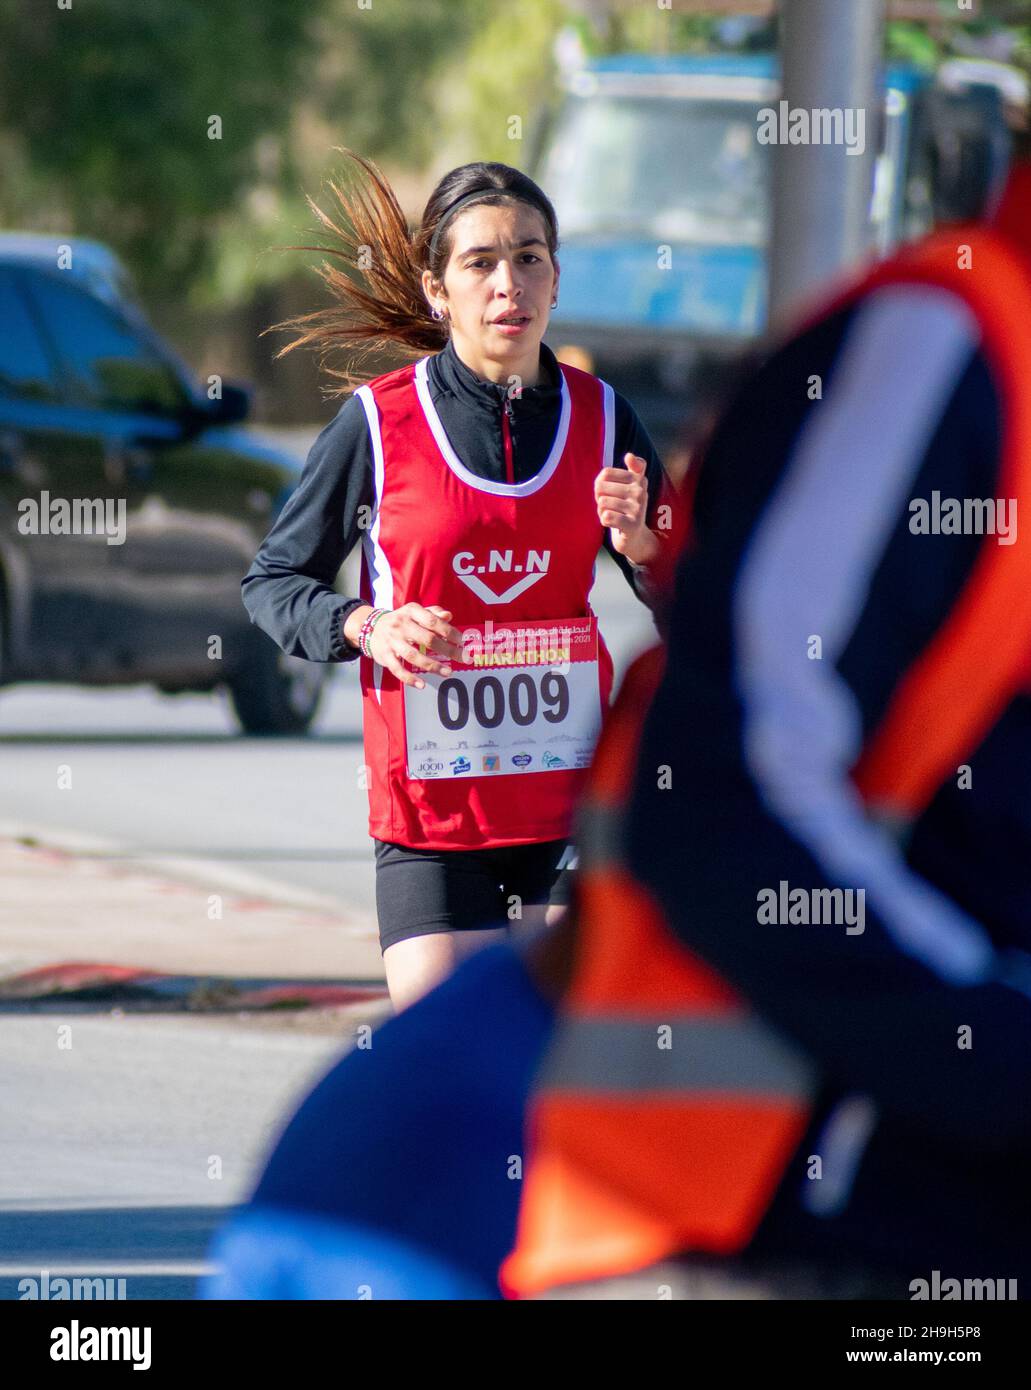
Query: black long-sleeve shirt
(288, 590)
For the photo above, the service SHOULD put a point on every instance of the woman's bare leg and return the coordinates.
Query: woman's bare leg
(417, 965)
(538, 915)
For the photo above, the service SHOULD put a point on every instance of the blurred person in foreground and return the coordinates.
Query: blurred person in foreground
(781, 1047)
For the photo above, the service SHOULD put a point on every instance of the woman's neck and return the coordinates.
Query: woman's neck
(527, 367)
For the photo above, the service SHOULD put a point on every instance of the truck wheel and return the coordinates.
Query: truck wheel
(273, 693)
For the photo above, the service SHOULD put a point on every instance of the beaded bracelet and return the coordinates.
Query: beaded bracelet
(366, 630)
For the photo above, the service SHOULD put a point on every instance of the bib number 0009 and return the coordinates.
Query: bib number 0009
(503, 716)
(488, 703)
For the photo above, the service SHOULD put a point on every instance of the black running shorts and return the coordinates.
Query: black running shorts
(421, 891)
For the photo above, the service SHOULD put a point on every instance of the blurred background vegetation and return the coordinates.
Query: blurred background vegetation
(108, 107)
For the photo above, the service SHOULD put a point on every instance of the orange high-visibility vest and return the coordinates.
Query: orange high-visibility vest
(636, 1152)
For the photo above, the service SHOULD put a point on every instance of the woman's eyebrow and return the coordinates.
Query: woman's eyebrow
(479, 250)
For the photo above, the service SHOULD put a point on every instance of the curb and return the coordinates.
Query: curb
(176, 869)
(98, 981)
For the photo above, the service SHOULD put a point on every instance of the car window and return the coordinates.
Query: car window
(111, 366)
(26, 370)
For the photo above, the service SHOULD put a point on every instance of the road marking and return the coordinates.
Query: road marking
(189, 867)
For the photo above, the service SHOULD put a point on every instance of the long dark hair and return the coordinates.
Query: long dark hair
(374, 242)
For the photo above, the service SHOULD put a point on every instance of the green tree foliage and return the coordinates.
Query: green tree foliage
(493, 91)
(912, 43)
(379, 79)
(108, 104)
(106, 111)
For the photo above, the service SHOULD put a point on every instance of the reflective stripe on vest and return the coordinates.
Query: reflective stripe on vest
(656, 1069)
(950, 697)
(664, 1115)
(720, 1055)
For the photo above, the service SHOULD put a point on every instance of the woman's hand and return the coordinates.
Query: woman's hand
(621, 495)
(409, 634)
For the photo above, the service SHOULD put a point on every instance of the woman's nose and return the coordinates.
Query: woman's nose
(505, 278)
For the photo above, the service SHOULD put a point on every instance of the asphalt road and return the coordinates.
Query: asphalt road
(120, 1153)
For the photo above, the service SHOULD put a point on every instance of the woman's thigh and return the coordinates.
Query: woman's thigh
(418, 964)
(536, 884)
(426, 892)
(437, 906)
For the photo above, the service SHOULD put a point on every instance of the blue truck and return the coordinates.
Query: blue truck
(662, 191)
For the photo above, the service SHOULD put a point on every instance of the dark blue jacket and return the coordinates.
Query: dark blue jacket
(804, 602)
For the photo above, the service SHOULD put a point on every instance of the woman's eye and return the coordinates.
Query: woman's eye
(476, 265)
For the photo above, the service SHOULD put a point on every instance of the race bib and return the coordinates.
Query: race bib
(526, 698)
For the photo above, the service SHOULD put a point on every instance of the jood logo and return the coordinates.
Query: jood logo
(85, 1287)
(533, 567)
(823, 125)
(77, 1343)
(73, 516)
(835, 907)
(936, 1287)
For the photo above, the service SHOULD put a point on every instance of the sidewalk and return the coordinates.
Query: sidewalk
(71, 923)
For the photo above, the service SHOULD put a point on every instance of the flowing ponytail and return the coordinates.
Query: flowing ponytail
(386, 307)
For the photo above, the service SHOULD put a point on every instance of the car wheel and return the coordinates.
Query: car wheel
(273, 693)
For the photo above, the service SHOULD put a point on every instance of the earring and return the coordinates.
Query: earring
(554, 303)
(438, 314)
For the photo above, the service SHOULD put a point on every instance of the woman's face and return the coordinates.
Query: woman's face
(498, 285)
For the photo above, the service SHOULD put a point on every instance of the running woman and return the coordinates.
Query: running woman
(480, 480)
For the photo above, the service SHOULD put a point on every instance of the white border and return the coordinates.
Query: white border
(526, 489)
(380, 575)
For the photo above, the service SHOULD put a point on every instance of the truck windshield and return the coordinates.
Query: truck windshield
(689, 170)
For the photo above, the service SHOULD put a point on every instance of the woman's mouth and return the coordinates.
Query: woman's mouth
(512, 324)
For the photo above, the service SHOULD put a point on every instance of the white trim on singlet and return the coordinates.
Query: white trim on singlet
(380, 575)
(524, 489)
(608, 405)
(609, 409)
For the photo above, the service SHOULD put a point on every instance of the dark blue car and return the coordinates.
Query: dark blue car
(132, 500)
